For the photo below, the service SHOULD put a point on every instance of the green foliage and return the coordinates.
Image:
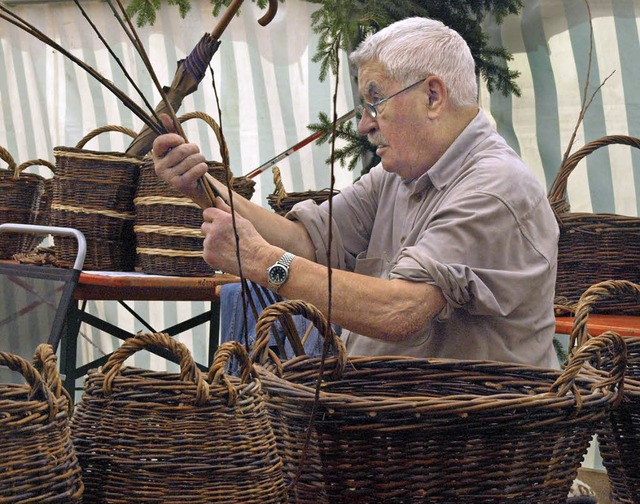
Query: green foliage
(356, 144)
(146, 10)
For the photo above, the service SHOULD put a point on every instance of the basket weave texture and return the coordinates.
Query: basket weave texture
(281, 201)
(38, 462)
(594, 247)
(20, 195)
(93, 192)
(401, 429)
(158, 437)
(167, 224)
(619, 439)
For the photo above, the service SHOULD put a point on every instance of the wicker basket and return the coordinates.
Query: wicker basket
(619, 440)
(20, 195)
(38, 463)
(594, 247)
(93, 192)
(43, 214)
(401, 429)
(157, 437)
(281, 201)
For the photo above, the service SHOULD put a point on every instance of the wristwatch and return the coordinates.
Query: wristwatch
(279, 272)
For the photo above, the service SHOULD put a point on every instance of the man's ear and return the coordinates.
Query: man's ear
(437, 94)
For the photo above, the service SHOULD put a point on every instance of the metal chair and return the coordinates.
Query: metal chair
(34, 299)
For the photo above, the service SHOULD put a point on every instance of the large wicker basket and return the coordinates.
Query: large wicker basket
(20, 195)
(282, 201)
(93, 192)
(400, 429)
(38, 463)
(594, 247)
(619, 439)
(158, 437)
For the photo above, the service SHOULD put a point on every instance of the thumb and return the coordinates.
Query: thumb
(167, 122)
(222, 205)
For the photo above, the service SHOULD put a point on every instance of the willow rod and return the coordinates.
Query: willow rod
(120, 64)
(17, 21)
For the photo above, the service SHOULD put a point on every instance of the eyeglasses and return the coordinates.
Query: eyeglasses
(373, 108)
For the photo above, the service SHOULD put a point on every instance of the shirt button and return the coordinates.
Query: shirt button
(416, 197)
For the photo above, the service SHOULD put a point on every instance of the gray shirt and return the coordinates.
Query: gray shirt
(478, 225)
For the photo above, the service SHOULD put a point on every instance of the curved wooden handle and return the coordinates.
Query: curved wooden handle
(217, 371)
(557, 194)
(296, 307)
(189, 371)
(105, 129)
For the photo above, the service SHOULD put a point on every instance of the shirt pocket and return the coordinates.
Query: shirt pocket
(377, 267)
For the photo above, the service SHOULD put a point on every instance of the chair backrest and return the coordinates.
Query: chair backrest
(34, 300)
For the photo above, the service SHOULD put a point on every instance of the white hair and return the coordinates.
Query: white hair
(416, 48)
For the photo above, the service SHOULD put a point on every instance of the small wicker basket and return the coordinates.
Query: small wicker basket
(158, 437)
(281, 201)
(93, 192)
(401, 429)
(20, 195)
(619, 439)
(38, 463)
(594, 247)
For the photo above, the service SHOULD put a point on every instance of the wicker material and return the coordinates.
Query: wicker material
(619, 440)
(156, 437)
(93, 192)
(38, 463)
(400, 429)
(20, 195)
(594, 247)
(281, 201)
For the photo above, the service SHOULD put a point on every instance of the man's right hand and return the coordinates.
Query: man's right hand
(179, 163)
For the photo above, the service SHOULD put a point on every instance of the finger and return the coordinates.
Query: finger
(167, 122)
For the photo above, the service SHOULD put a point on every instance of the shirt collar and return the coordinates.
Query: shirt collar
(448, 166)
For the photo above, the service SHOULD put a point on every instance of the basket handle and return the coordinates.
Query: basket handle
(277, 180)
(105, 129)
(558, 191)
(586, 353)
(8, 158)
(189, 371)
(224, 151)
(598, 292)
(46, 363)
(39, 388)
(261, 352)
(217, 371)
(34, 162)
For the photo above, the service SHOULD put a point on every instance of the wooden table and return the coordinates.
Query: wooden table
(129, 286)
(624, 325)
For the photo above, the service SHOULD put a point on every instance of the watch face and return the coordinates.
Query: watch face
(277, 274)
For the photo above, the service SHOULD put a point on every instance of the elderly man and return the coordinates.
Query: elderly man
(448, 248)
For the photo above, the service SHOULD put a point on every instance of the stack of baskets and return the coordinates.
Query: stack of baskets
(167, 224)
(619, 437)
(399, 429)
(594, 247)
(38, 462)
(281, 201)
(158, 437)
(93, 192)
(20, 195)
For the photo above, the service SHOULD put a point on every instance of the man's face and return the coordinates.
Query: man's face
(400, 128)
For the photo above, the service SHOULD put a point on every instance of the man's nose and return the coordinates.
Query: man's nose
(366, 124)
